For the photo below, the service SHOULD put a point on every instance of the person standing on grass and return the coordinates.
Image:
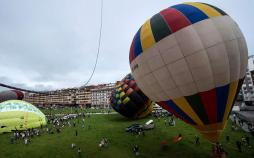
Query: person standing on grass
(136, 150)
(164, 144)
(143, 132)
(174, 122)
(239, 146)
(79, 152)
(197, 142)
(247, 138)
(228, 139)
(243, 141)
(252, 133)
(234, 118)
(73, 145)
(76, 132)
(26, 141)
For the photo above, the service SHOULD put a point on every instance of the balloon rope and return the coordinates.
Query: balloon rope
(20, 89)
(99, 46)
(95, 65)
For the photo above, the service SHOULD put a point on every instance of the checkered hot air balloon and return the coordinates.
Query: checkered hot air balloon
(191, 59)
(129, 100)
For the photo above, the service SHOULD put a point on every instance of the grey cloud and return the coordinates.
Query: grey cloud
(53, 43)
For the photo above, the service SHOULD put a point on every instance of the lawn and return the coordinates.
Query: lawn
(120, 143)
(68, 110)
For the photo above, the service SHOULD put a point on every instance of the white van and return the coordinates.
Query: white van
(148, 125)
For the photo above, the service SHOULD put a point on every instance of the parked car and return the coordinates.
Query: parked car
(134, 128)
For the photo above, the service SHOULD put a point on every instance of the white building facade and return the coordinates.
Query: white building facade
(101, 95)
(248, 87)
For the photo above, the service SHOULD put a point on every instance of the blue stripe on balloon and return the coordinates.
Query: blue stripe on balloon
(192, 13)
(173, 106)
(137, 44)
(222, 97)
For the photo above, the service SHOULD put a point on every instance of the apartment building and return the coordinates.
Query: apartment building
(64, 97)
(84, 96)
(97, 96)
(100, 95)
(247, 90)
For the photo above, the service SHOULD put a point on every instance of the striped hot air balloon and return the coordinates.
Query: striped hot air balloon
(11, 95)
(191, 59)
(129, 100)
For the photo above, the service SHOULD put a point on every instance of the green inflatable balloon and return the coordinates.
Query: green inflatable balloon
(19, 115)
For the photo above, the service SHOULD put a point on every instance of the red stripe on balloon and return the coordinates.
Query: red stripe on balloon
(175, 19)
(210, 103)
(19, 94)
(132, 51)
(165, 106)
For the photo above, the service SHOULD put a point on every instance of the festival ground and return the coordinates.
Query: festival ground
(120, 143)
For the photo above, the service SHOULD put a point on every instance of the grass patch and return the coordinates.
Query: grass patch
(120, 142)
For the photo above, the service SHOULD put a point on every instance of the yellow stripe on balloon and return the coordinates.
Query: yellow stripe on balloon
(147, 111)
(185, 107)
(209, 11)
(211, 132)
(146, 35)
(231, 96)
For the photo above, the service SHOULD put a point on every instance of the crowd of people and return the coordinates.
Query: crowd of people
(25, 136)
(56, 124)
(243, 144)
(238, 122)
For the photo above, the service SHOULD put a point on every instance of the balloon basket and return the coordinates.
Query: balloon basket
(217, 151)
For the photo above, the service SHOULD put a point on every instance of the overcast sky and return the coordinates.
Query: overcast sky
(52, 44)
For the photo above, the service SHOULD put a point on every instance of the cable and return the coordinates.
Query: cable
(95, 65)
(20, 89)
(98, 49)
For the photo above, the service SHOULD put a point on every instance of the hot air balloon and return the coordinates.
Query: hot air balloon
(191, 59)
(11, 95)
(129, 100)
(19, 115)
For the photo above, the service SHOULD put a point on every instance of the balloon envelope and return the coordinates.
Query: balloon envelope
(191, 59)
(20, 115)
(129, 100)
(11, 95)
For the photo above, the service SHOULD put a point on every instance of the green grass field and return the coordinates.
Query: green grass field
(120, 142)
(68, 110)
